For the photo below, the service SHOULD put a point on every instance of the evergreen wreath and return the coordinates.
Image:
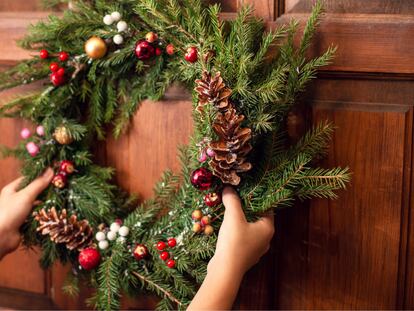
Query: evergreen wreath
(245, 81)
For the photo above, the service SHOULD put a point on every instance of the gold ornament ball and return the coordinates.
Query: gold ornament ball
(95, 48)
(197, 214)
(62, 136)
(197, 227)
(208, 230)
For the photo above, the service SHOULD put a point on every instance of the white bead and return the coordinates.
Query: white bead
(123, 231)
(121, 239)
(118, 39)
(100, 236)
(116, 16)
(122, 26)
(115, 227)
(103, 244)
(111, 235)
(108, 20)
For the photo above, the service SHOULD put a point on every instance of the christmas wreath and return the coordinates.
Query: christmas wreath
(102, 59)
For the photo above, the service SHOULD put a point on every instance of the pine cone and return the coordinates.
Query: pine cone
(211, 89)
(75, 234)
(232, 147)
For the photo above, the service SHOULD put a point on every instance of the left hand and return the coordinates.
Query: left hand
(15, 206)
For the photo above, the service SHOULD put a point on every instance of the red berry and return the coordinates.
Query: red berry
(54, 67)
(164, 256)
(170, 49)
(89, 258)
(61, 72)
(63, 56)
(171, 263)
(161, 245)
(44, 54)
(144, 50)
(172, 242)
(202, 179)
(158, 51)
(212, 199)
(205, 220)
(140, 251)
(56, 79)
(191, 55)
(67, 167)
(59, 181)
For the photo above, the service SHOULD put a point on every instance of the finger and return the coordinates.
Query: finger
(38, 185)
(13, 186)
(232, 203)
(266, 225)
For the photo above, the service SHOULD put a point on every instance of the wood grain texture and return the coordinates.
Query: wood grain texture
(21, 5)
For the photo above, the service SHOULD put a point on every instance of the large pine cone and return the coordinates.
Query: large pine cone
(212, 90)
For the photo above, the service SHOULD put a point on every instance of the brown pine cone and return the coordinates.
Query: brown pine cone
(211, 89)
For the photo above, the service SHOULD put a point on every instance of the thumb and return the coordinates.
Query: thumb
(232, 203)
(38, 185)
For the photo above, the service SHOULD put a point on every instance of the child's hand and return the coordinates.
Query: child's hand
(15, 206)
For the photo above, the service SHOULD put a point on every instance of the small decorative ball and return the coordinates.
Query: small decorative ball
(44, 54)
(151, 37)
(60, 72)
(203, 157)
(62, 135)
(202, 178)
(118, 39)
(54, 67)
(89, 258)
(205, 220)
(103, 244)
(95, 48)
(59, 181)
(197, 214)
(191, 55)
(57, 79)
(115, 227)
(111, 235)
(164, 256)
(170, 49)
(63, 56)
(121, 26)
(100, 236)
(210, 152)
(140, 251)
(116, 16)
(40, 130)
(212, 199)
(66, 167)
(197, 227)
(32, 148)
(161, 245)
(123, 231)
(25, 133)
(208, 230)
(171, 263)
(158, 51)
(172, 242)
(108, 19)
(144, 50)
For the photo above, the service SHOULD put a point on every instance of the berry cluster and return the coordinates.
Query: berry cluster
(65, 168)
(121, 26)
(202, 223)
(105, 235)
(152, 46)
(164, 255)
(32, 147)
(57, 76)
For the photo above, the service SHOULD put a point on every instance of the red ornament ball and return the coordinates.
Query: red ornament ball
(161, 245)
(171, 263)
(44, 54)
(140, 251)
(61, 72)
(57, 79)
(54, 67)
(144, 50)
(191, 55)
(172, 242)
(59, 181)
(170, 49)
(158, 51)
(164, 256)
(89, 258)
(205, 220)
(67, 167)
(212, 199)
(63, 56)
(202, 178)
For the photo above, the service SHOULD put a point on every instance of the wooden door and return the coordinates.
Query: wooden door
(353, 253)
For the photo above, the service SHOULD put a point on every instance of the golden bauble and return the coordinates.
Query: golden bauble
(208, 230)
(62, 136)
(95, 48)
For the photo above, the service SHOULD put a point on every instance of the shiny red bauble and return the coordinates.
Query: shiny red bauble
(61, 72)
(202, 178)
(67, 167)
(191, 55)
(171, 263)
(161, 245)
(59, 181)
(89, 258)
(44, 54)
(164, 256)
(63, 56)
(57, 79)
(170, 49)
(140, 251)
(54, 67)
(144, 50)
(212, 199)
(172, 242)
(158, 51)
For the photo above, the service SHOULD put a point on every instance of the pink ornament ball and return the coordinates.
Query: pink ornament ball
(40, 130)
(25, 133)
(203, 157)
(210, 152)
(32, 148)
